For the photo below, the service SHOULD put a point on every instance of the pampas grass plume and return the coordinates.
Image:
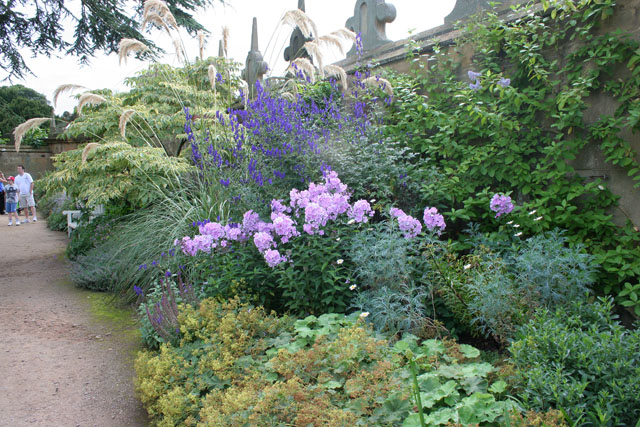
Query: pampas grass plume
(297, 18)
(161, 8)
(225, 40)
(20, 130)
(87, 149)
(381, 83)
(306, 66)
(314, 50)
(334, 70)
(62, 89)
(212, 76)
(124, 119)
(127, 46)
(89, 99)
(332, 40)
(201, 40)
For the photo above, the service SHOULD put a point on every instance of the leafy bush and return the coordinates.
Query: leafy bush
(51, 207)
(237, 365)
(494, 292)
(88, 235)
(115, 174)
(578, 358)
(514, 120)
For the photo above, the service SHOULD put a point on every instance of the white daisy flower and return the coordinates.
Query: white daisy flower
(364, 314)
(353, 287)
(340, 261)
(518, 234)
(468, 266)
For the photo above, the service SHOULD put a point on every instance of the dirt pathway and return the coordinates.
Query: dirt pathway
(65, 356)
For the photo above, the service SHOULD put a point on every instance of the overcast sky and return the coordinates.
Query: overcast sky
(329, 15)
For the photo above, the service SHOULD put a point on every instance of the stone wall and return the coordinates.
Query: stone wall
(36, 161)
(591, 163)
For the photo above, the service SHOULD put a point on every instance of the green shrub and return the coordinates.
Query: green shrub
(579, 359)
(238, 366)
(494, 291)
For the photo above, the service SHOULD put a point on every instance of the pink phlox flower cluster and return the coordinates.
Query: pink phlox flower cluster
(273, 257)
(410, 226)
(432, 219)
(213, 229)
(360, 211)
(284, 226)
(501, 204)
(233, 233)
(199, 243)
(263, 241)
(250, 221)
(315, 217)
(396, 213)
(333, 183)
(277, 207)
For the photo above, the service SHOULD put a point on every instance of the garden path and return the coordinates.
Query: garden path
(65, 358)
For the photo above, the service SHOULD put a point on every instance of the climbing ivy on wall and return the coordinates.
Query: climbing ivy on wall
(513, 121)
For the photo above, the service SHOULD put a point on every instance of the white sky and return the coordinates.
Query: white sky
(329, 15)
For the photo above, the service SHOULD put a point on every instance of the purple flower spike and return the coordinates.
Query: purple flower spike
(475, 86)
(138, 290)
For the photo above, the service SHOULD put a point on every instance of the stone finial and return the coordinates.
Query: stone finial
(255, 65)
(220, 49)
(296, 48)
(369, 19)
(465, 8)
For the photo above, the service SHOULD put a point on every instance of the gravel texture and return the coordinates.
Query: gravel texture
(63, 361)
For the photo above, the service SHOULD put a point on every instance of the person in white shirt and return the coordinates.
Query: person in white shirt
(24, 182)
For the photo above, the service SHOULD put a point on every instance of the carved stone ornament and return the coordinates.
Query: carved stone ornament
(296, 48)
(369, 19)
(255, 65)
(465, 8)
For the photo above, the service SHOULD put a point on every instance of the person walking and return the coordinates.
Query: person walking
(24, 182)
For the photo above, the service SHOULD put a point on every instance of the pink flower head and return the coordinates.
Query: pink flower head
(410, 226)
(277, 207)
(233, 233)
(263, 241)
(284, 227)
(213, 229)
(361, 211)
(250, 222)
(315, 216)
(501, 204)
(273, 257)
(396, 213)
(432, 220)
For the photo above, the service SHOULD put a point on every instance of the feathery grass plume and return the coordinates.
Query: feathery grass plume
(345, 34)
(20, 130)
(297, 18)
(62, 89)
(314, 50)
(87, 149)
(179, 51)
(306, 66)
(380, 83)
(334, 70)
(201, 40)
(127, 46)
(225, 40)
(124, 119)
(244, 87)
(332, 40)
(288, 96)
(161, 8)
(212, 76)
(153, 18)
(89, 98)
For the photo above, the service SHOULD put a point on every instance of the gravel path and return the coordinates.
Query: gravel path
(63, 361)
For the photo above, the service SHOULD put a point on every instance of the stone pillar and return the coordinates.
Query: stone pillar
(369, 19)
(465, 8)
(296, 42)
(255, 65)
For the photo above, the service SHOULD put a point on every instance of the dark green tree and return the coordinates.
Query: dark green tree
(98, 26)
(19, 104)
